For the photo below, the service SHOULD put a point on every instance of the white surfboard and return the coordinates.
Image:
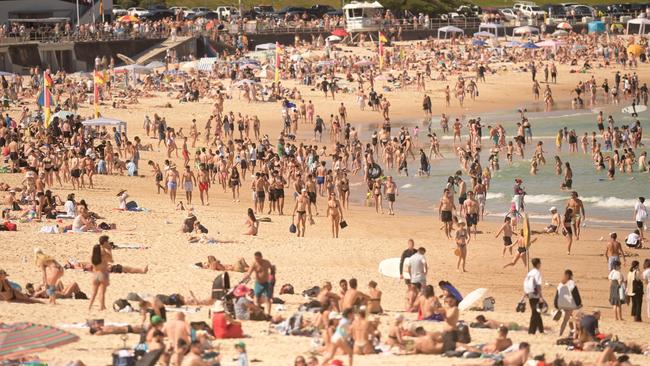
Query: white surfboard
(638, 108)
(390, 268)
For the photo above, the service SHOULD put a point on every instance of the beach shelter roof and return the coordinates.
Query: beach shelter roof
(484, 34)
(22, 339)
(549, 43)
(493, 28)
(449, 29)
(641, 22)
(103, 121)
(138, 69)
(529, 46)
(559, 33)
(363, 5)
(525, 30)
(155, 64)
(265, 47)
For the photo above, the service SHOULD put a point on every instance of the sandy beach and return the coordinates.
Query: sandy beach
(306, 262)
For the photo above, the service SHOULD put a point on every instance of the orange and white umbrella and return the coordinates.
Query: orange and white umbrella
(564, 25)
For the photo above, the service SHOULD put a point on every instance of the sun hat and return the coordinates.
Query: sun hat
(241, 290)
(156, 319)
(241, 345)
(217, 307)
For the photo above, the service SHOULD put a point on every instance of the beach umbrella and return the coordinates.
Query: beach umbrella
(189, 65)
(363, 63)
(63, 114)
(4, 73)
(525, 30)
(21, 339)
(128, 19)
(484, 34)
(513, 44)
(564, 25)
(479, 42)
(155, 64)
(472, 298)
(549, 43)
(326, 63)
(635, 49)
(560, 33)
(340, 32)
(529, 46)
(334, 38)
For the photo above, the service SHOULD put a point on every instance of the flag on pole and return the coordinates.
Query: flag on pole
(96, 82)
(47, 97)
(277, 62)
(382, 39)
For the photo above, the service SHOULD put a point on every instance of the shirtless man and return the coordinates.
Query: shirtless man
(579, 212)
(390, 190)
(445, 212)
(326, 295)
(439, 343)
(189, 180)
(302, 207)
(178, 332)
(13, 154)
(171, 179)
(506, 229)
(362, 330)
(555, 222)
(614, 251)
(193, 357)
(260, 186)
(204, 184)
(353, 298)
(471, 208)
(343, 113)
(263, 281)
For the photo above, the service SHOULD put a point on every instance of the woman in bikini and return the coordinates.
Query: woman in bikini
(52, 273)
(335, 213)
(462, 239)
(10, 294)
(520, 244)
(374, 299)
(376, 192)
(100, 258)
(234, 182)
(251, 223)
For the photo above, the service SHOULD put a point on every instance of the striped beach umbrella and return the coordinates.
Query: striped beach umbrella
(21, 339)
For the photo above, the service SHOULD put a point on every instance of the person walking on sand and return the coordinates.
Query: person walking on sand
(303, 208)
(567, 299)
(418, 267)
(189, 181)
(634, 290)
(445, 211)
(616, 285)
(264, 282)
(390, 189)
(640, 216)
(579, 216)
(335, 213)
(204, 184)
(506, 229)
(101, 257)
(614, 251)
(533, 290)
(171, 179)
(462, 239)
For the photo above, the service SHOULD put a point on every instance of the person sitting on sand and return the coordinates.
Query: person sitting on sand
(412, 296)
(245, 309)
(555, 222)
(10, 294)
(395, 333)
(223, 325)
(374, 299)
(252, 224)
(325, 295)
(500, 343)
(353, 298)
(216, 265)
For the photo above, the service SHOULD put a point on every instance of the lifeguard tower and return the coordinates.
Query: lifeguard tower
(363, 17)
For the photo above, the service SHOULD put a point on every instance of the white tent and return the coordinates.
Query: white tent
(493, 28)
(525, 30)
(641, 22)
(484, 34)
(265, 47)
(105, 122)
(206, 63)
(450, 29)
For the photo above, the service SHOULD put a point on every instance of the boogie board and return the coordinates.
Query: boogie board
(390, 268)
(526, 229)
(630, 109)
(374, 171)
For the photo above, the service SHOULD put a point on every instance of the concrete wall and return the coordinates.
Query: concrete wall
(85, 52)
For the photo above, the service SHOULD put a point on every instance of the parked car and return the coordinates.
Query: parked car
(579, 11)
(469, 11)
(138, 12)
(119, 11)
(184, 9)
(159, 12)
(264, 10)
(530, 10)
(226, 11)
(508, 14)
(290, 10)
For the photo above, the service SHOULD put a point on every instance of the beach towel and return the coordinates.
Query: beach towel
(21, 339)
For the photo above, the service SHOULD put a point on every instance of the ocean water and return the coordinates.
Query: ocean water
(607, 203)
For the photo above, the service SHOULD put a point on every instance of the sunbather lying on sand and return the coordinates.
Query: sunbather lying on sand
(216, 265)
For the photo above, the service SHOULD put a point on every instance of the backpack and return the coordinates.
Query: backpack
(286, 289)
(120, 304)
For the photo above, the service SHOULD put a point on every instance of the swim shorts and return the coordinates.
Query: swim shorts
(507, 241)
(262, 290)
(445, 216)
(391, 197)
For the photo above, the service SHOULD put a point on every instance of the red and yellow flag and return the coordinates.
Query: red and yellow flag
(47, 96)
(277, 62)
(382, 39)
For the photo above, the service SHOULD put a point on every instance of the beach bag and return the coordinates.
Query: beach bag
(621, 292)
(311, 292)
(521, 306)
(343, 224)
(292, 228)
(11, 226)
(120, 304)
(131, 205)
(287, 289)
(488, 304)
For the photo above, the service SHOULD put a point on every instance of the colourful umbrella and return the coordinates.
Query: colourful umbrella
(128, 19)
(564, 25)
(635, 49)
(340, 32)
(21, 339)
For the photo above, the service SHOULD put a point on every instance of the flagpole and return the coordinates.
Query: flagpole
(95, 94)
(78, 20)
